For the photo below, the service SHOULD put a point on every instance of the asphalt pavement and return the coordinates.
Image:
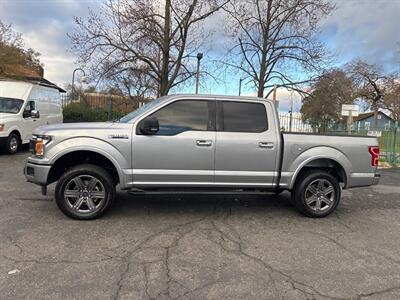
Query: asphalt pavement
(205, 247)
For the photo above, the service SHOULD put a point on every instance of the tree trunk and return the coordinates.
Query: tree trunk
(263, 70)
(375, 107)
(164, 80)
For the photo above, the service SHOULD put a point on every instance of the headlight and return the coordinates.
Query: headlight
(37, 144)
(2, 126)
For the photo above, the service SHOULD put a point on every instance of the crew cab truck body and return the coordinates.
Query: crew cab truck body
(187, 143)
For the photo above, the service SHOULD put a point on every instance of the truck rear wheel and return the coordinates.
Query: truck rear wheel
(85, 192)
(316, 194)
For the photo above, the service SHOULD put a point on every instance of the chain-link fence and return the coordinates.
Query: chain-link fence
(388, 137)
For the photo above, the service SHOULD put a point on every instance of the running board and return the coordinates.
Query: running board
(199, 192)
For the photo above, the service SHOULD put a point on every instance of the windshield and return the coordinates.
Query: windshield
(140, 110)
(10, 105)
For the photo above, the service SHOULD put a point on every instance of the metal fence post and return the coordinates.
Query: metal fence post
(394, 150)
(109, 109)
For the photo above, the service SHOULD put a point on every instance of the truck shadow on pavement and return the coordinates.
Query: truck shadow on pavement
(126, 205)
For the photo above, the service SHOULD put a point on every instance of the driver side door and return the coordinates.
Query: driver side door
(182, 152)
(29, 123)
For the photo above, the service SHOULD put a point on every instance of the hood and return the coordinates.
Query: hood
(74, 127)
(6, 116)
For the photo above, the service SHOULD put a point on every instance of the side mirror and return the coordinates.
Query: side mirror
(149, 126)
(35, 114)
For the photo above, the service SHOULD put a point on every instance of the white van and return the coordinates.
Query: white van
(25, 105)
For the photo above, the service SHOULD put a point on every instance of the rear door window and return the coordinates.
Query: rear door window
(243, 117)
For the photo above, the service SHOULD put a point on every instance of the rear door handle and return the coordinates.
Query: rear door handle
(267, 145)
(203, 143)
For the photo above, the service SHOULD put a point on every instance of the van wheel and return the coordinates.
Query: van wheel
(316, 194)
(13, 143)
(85, 192)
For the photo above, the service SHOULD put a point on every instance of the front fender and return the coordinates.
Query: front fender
(90, 144)
(320, 152)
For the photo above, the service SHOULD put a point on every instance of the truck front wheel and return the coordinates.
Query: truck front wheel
(85, 192)
(13, 143)
(316, 193)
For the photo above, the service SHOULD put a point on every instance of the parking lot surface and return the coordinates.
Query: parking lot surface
(208, 247)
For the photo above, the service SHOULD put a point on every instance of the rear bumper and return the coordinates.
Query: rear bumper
(377, 177)
(36, 173)
(363, 179)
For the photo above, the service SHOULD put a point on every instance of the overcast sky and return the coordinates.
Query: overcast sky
(368, 29)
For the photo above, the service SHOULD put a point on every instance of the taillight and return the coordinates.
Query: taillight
(374, 151)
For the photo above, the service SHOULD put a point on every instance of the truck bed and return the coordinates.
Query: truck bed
(350, 152)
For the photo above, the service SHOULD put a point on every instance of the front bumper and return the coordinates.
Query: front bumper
(3, 141)
(36, 173)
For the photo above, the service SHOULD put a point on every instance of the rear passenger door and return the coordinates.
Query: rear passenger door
(246, 149)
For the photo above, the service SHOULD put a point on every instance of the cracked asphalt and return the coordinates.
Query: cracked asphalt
(208, 247)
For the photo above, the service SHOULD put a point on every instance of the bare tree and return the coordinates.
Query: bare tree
(136, 84)
(391, 99)
(276, 39)
(323, 105)
(370, 82)
(156, 36)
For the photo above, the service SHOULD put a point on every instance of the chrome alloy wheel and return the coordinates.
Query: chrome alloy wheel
(13, 144)
(320, 195)
(84, 194)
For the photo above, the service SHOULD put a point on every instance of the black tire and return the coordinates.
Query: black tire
(82, 171)
(13, 144)
(306, 185)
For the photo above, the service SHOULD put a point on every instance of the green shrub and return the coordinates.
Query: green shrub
(81, 112)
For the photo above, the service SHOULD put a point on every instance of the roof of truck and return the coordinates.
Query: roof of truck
(218, 97)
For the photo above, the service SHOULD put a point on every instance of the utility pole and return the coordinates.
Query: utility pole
(199, 57)
(349, 121)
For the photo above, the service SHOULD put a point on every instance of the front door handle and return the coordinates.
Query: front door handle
(203, 143)
(267, 145)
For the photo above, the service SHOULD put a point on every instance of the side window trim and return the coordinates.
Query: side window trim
(220, 116)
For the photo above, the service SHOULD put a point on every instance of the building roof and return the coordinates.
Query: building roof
(367, 115)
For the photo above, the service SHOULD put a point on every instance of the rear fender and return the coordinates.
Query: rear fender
(307, 157)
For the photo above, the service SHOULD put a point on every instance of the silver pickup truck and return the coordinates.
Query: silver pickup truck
(192, 144)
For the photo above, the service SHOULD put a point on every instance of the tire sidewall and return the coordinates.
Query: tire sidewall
(94, 171)
(300, 193)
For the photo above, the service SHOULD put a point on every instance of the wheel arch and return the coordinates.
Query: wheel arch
(329, 165)
(77, 157)
(324, 158)
(16, 131)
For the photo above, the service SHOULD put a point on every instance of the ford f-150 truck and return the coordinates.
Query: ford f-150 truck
(192, 144)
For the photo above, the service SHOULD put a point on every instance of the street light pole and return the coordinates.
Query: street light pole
(240, 86)
(291, 113)
(199, 57)
(73, 80)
